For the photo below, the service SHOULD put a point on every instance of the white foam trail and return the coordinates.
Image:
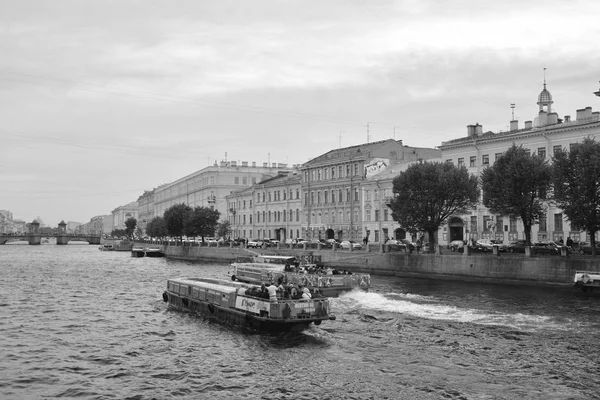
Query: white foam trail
(430, 310)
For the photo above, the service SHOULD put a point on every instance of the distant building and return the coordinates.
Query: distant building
(146, 209)
(93, 227)
(543, 136)
(209, 186)
(122, 214)
(72, 226)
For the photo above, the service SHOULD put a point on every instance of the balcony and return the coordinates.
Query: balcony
(211, 199)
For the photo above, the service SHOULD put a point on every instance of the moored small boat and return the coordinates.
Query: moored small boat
(284, 269)
(587, 280)
(154, 252)
(106, 247)
(137, 252)
(237, 304)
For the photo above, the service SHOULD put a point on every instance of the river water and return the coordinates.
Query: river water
(76, 322)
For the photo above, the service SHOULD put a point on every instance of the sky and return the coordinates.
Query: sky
(101, 100)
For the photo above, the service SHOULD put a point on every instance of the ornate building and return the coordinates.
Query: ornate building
(543, 136)
(333, 186)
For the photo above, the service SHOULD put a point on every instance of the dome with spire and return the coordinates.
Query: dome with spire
(545, 99)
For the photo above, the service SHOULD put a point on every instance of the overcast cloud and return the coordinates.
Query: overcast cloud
(100, 100)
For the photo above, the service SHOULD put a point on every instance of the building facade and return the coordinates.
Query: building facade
(333, 187)
(209, 186)
(146, 210)
(543, 136)
(93, 227)
(270, 209)
(122, 214)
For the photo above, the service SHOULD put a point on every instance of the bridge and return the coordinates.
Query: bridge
(34, 237)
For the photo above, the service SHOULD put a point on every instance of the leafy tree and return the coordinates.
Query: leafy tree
(157, 228)
(516, 185)
(175, 217)
(202, 221)
(224, 229)
(576, 179)
(139, 232)
(130, 225)
(426, 194)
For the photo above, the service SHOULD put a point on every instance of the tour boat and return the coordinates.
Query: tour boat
(154, 252)
(137, 251)
(587, 280)
(286, 269)
(238, 304)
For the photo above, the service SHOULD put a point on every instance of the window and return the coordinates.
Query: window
(257, 217)
(499, 223)
(377, 236)
(472, 161)
(284, 194)
(542, 152)
(355, 169)
(449, 161)
(487, 223)
(325, 195)
(319, 197)
(367, 195)
(543, 223)
(244, 181)
(236, 180)
(333, 196)
(332, 172)
(376, 215)
(485, 159)
(297, 193)
(368, 215)
(348, 170)
(376, 194)
(461, 162)
(355, 194)
(269, 216)
(474, 223)
(339, 171)
(385, 214)
(513, 224)
(244, 219)
(340, 195)
(558, 222)
(269, 196)
(348, 194)
(556, 149)
(297, 215)
(319, 175)
(312, 197)
(306, 198)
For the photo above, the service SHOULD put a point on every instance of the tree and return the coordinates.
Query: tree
(175, 217)
(201, 221)
(224, 229)
(130, 225)
(118, 233)
(426, 194)
(516, 185)
(157, 228)
(576, 181)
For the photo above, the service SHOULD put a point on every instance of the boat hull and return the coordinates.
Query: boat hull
(246, 312)
(154, 253)
(137, 253)
(587, 280)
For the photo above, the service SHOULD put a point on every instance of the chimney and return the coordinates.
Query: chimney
(514, 125)
(478, 129)
(552, 118)
(223, 164)
(567, 118)
(542, 118)
(470, 130)
(596, 115)
(274, 165)
(254, 163)
(244, 163)
(528, 124)
(580, 114)
(234, 163)
(265, 165)
(588, 112)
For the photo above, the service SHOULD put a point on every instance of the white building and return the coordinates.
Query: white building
(543, 136)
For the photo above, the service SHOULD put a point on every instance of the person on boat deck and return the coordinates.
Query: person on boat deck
(306, 294)
(264, 293)
(272, 289)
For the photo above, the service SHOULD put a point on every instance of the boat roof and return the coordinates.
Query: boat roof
(276, 257)
(213, 284)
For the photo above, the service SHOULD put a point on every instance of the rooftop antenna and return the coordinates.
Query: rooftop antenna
(225, 156)
(512, 105)
(544, 77)
(340, 139)
(368, 136)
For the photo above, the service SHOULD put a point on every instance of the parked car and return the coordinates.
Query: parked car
(332, 242)
(322, 242)
(586, 248)
(347, 243)
(395, 245)
(501, 246)
(544, 248)
(483, 246)
(410, 245)
(457, 245)
(254, 243)
(518, 246)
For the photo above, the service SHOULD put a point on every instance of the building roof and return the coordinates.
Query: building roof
(361, 149)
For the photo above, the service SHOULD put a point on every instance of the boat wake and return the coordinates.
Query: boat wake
(373, 306)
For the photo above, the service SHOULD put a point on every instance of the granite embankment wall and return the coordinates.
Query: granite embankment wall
(506, 268)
